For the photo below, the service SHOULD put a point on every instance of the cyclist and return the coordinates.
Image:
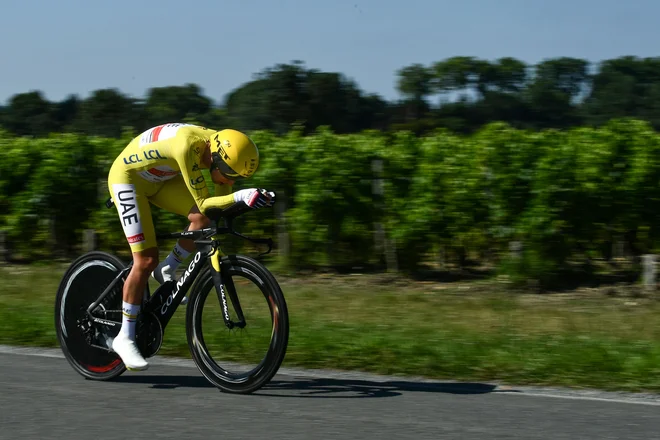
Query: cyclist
(163, 166)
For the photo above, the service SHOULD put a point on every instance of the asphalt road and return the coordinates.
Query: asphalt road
(41, 397)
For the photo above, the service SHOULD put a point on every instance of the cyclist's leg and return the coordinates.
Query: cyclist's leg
(174, 196)
(135, 214)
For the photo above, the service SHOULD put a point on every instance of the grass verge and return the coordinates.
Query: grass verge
(461, 330)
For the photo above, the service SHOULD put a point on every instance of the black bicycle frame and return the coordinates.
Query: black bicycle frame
(168, 296)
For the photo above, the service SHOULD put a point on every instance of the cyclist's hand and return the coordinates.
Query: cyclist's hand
(255, 197)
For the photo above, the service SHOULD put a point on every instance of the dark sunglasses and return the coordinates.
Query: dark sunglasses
(224, 169)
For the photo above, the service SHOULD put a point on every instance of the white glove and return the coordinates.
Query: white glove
(255, 197)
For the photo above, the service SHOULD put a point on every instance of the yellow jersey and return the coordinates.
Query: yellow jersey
(163, 152)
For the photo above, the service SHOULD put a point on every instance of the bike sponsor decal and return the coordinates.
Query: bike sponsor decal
(126, 203)
(106, 322)
(180, 282)
(225, 309)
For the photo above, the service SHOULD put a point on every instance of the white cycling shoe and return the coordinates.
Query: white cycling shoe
(129, 353)
(164, 273)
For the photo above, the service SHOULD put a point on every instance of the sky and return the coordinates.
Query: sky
(77, 46)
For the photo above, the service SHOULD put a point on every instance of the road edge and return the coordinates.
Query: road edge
(504, 389)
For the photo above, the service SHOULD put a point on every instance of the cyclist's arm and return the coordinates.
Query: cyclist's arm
(223, 190)
(189, 162)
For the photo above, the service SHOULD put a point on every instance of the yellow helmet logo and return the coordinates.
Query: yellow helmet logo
(238, 151)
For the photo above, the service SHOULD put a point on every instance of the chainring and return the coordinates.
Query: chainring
(148, 334)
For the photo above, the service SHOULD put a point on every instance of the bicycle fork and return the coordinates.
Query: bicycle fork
(224, 286)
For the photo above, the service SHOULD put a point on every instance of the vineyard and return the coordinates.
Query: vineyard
(562, 199)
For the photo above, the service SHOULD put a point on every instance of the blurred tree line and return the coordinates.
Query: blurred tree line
(574, 203)
(461, 93)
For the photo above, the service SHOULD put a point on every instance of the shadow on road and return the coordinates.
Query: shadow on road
(345, 388)
(319, 388)
(166, 382)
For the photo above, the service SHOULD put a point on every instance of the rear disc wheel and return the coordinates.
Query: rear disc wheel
(79, 337)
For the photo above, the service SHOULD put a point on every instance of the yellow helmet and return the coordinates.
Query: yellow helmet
(234, 154)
